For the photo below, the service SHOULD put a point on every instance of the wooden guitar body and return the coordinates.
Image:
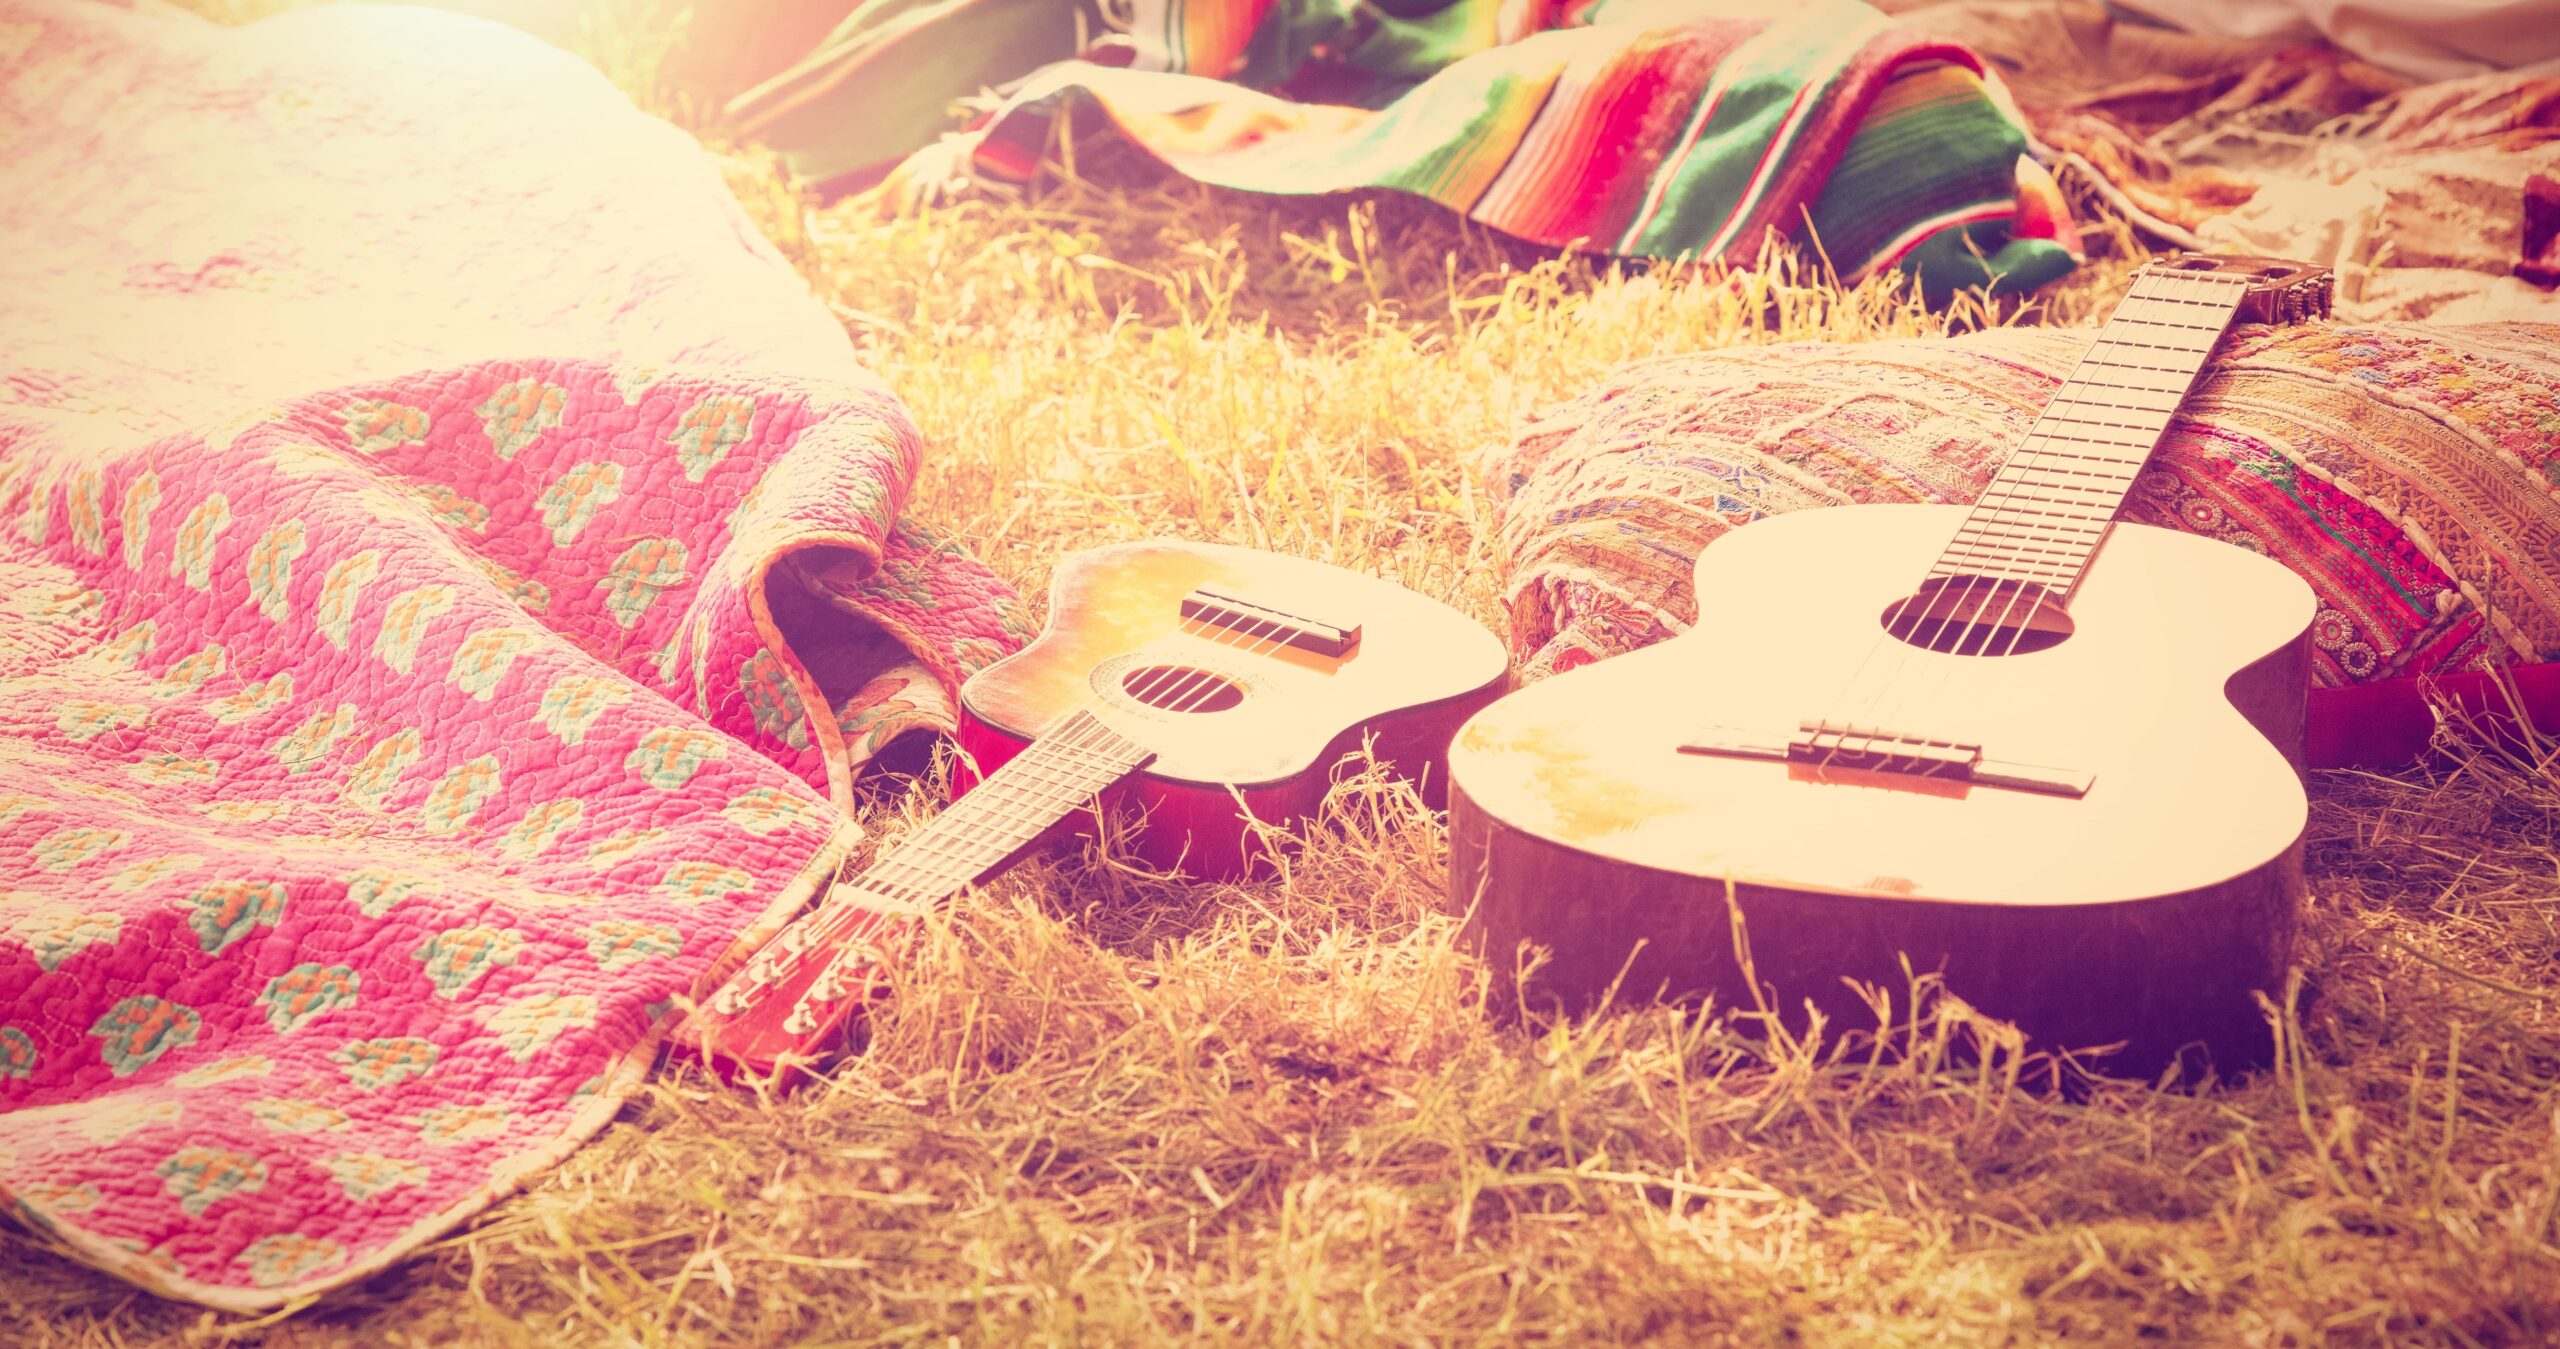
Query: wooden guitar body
(1419, 669)
(2144, 913)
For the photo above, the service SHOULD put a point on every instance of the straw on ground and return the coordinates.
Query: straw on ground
(1104, 1108)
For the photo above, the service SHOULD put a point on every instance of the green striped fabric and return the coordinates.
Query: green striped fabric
(1631, 128)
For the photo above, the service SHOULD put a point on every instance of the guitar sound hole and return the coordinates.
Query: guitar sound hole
(1978, 616)
(1181, 688)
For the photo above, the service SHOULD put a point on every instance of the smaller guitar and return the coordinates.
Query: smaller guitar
(1201, 692)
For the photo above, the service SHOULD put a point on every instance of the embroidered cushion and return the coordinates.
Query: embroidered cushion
(2406, 471)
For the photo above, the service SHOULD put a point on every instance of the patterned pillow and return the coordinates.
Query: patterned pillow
(2408, 472)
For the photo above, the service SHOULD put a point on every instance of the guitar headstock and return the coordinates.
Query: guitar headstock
(2279, 291)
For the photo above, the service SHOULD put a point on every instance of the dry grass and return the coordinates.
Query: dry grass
(1106, 1109)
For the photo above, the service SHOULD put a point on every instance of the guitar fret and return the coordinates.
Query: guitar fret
(2093, 481)
(2071, 528)
(1996, 522)
(2073, 415)
(1042, 775)
(2090, 497)
(2025, 574)
(2085, 528)
(2184, 377)
(2022, 568)
(2173, 395)
(1091, 761)
(1074, 759)
(2076, 440)
(2092, 413)
(2157, 418)
(2166, 323)
(2099, 432)
(2098, 503)
(2023, 546)
(2163, 310)
(2170, 326)
(2011, 502)
(2026, 551)
(2116, 343)
(2055, 498)
(2103, 437)
(2218, 302)
(2030, 458)
(1973, 533)
(939, 872)
(2010, 509)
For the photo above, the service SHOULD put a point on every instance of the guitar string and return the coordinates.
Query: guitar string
(1196, 686)
(1999, 495)
(1900, 653)
(1974, 640)
(1975, 592)
(2175, 287)
(2227, 303)
(1204, 685)
(1964, 592)
(1092, 737)
(822, 931)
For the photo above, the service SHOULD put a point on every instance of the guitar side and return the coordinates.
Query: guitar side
(1200, 830)
(1420, 670)
(2145, 913)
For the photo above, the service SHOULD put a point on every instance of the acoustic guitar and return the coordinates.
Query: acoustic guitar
(2052, 757)
(1197, 694)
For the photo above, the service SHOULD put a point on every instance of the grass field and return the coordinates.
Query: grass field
(1105, 1109)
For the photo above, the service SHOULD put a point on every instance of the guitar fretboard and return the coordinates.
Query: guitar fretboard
(1073, 759)
(2044, 515)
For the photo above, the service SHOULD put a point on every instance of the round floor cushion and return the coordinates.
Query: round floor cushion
(2406, 471)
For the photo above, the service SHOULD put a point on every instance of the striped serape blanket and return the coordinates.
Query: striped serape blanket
(1642, 128)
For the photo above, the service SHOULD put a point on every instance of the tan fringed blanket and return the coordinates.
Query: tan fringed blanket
(2413, 192)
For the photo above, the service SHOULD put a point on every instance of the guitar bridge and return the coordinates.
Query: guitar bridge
(1823, 744)
(1829, 745)
(1262, 623)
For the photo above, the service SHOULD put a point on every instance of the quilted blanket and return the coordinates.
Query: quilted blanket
(450, 571)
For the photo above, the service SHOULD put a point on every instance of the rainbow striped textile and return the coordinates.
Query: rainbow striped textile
(1642, 128)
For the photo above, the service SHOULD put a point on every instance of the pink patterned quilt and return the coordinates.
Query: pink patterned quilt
(450, 570)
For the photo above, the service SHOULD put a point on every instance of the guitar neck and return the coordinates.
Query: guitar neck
(2044, 515)
(1072, 760)
(798, 992)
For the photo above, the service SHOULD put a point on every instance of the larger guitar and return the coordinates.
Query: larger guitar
(2048, 755)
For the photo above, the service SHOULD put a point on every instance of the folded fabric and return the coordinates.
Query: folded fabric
(2406, 471)
(453, 571)
(2425, 39)
(2538, 252)
(2412, 192)
(1652, 130)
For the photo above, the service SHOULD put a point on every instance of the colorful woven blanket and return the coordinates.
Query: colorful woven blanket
(1648, 129)
(450, 570)
(2407, 472)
